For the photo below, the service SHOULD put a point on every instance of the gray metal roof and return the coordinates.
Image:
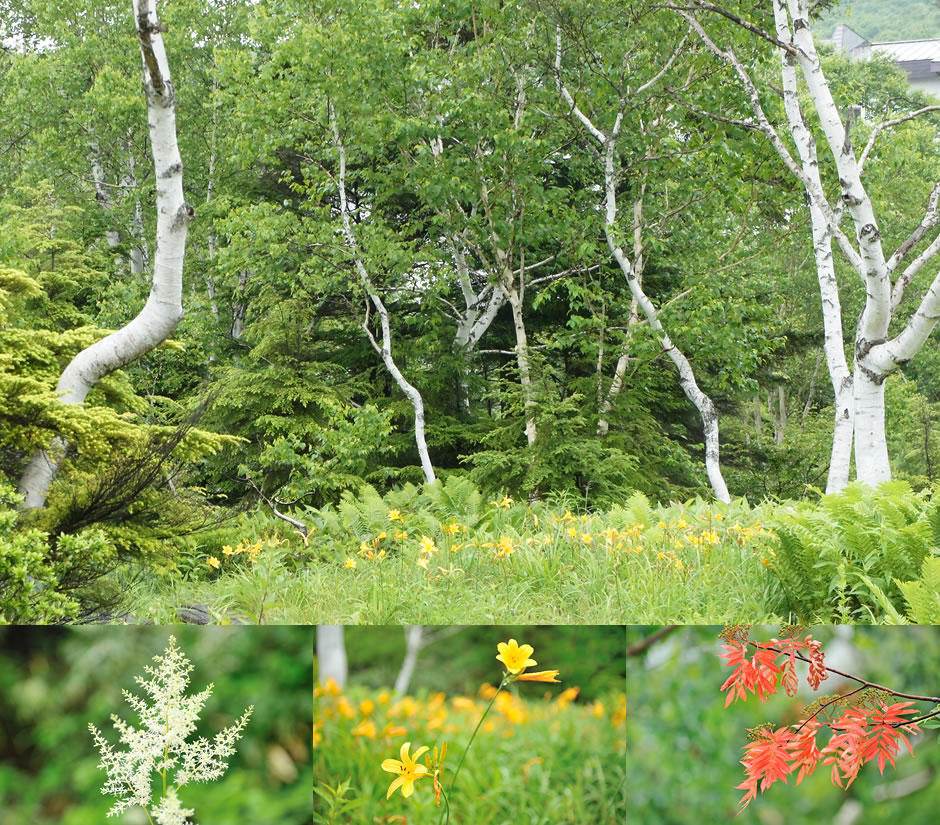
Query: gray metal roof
(904, 51)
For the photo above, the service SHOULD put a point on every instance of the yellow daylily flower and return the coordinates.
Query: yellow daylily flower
(394, 515)
(350, 563)
(365, 728)
(407, 769)
(540, 676)
(393, 731)
(515, 656)
(212, 561)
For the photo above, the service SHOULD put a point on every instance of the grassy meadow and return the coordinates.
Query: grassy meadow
(448, 555)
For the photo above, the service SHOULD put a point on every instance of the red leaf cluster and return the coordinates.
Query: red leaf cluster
(859, 733)
(758, 673)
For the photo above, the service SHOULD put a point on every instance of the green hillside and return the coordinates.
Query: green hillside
(880, 20)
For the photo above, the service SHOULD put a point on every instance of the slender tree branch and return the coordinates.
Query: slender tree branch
(648, 641)
(887, 124)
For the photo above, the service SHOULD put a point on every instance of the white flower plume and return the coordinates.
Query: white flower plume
(167, 718)
(170, 812)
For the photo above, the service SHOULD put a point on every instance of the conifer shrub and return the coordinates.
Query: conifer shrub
(44, 579)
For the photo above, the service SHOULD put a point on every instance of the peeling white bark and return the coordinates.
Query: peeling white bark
(871, 448)
(480, 310)
(384, 349)
(833, 338)
(620, 370)
(163, 309)
(514, 297)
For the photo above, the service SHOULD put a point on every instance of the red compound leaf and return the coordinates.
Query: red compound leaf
(817, 664)
(766, 760)
(884, 738)
(755, 675)
(846, 750)
(803, 748)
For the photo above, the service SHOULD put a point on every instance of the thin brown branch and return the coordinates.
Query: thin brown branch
(647, 642)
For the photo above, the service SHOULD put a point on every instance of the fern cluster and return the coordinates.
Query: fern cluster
(841, 558)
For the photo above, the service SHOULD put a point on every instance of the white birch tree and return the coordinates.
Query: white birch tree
(331, 654)
(413, 645)
(859, 392)
(383, 348)
(607, 142)
(163, 309)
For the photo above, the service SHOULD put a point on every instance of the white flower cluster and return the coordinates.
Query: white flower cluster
(170, 812)
(167, 717)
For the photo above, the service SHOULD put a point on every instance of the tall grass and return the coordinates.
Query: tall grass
(413, 559)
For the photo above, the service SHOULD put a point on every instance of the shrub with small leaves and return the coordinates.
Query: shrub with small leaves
(37, 579)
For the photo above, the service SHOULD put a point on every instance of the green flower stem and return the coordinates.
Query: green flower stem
(446, 807)
(453, 782)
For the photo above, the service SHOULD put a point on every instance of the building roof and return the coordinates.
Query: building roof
(909, 50)
(919, 58)
(847, 39)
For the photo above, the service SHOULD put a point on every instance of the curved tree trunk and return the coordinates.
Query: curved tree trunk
(384, 349)
(164, 309)
(690, 387)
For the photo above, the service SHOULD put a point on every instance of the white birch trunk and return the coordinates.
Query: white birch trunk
(331, 654)
(522, 356)
(102, 195)
(616, 385)
(139, 255)
(780, 419)
(871, 448)
(702, 402)
(385, 348)
(480, 311)
(413, 634)
(833, 338)
(871, 454)
(163, 309)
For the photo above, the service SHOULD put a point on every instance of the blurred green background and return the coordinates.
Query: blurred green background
(54, 681)
(459, 659)
(684, 746)
(547, 754)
